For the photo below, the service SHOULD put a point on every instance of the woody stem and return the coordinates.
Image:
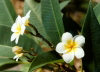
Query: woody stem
(40, 36)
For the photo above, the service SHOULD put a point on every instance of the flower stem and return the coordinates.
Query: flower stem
(40, 36)
(35, 54)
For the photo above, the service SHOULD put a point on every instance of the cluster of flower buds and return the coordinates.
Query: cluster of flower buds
(18, 51)
(18, 28)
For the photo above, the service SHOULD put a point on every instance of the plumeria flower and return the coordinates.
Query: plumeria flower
(18, 52)
(25, 19)
(71, 47)
(18, 29)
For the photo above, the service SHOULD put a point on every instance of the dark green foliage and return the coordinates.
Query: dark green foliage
(52, 20)
(91, 31)
(43, 59)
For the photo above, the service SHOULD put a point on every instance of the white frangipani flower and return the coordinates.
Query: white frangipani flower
(71, 47)
(25, 19)
(18, 29)
(18, 52)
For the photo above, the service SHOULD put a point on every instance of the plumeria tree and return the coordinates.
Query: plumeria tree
(25, 38)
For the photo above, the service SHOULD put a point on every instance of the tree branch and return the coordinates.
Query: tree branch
(40, 36)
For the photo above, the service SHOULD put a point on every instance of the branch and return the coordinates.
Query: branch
(40, 36)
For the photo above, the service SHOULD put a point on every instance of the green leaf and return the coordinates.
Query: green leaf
(7, 66)
(43, 59)
(91, 31)
(63, 4)
(35, 17)
(4, 61)
(6, 51)
(7, 13)
(11, 71)
(52, 20)
(25, 67)
(36, 20)
(7, 17)
(6, 56)
(97, 11)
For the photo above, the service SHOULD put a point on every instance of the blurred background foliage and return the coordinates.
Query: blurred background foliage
(73, 15)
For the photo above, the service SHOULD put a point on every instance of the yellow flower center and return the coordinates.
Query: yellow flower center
(71, 46)
(27, 23)
(18, 28)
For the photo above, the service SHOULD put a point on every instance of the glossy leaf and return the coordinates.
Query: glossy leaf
(8, 65)
(35, 17)
(97, 11)
(63, 4)
(52, 20)
(43, 59)
(12, 71)
(91, 31)
(6, 52)
(6, 56)
(7, 13)
(4, 61)
(25, 67)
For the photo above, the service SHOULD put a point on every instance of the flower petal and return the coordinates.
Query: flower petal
(79, 53)
(68, 57)
(18, 19)
(60, 48)
(24, 19)
(22, 29)
(17, 58)
(66, 36)
(28, 14)
(80, 40)
(14, 36)
(16, 41)
(13, 28)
